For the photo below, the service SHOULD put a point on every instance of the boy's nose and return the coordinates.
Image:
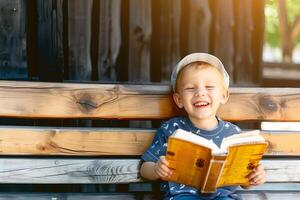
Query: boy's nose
(200, 92)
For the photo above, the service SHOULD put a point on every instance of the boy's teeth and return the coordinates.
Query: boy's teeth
(201, 104)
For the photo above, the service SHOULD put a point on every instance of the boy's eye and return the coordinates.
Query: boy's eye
(189, 88)
(210, 87)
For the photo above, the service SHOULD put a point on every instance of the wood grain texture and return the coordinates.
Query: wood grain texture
(79, 29)
(104, 141)
(13, 39)
(243, 59)
(66, 100)
(273, 195)
(55, 170)
(50, 40)
(140, 30)
(223, 34)
(282, 170)
(73, 196)
(200, 20)
(169, 27)
(73, 141)
(109, 39)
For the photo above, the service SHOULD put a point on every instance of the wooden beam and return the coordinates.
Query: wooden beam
(223, 34)
(140, 30)
(104, 141)
(56, 170)
(13, 49)
(49, 52)
(70, 141)
(73, 196)
(79, 39)
(93, 196)
(200, 21)
(109, 39)
(62, 100)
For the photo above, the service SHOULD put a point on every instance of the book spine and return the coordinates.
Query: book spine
(213, 175)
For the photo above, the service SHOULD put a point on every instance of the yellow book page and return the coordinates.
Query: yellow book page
(189, 162)
(241, 160)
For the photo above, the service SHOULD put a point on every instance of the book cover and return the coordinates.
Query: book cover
(198, 162)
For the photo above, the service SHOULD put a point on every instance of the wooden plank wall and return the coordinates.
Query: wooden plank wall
(13, 39)
(125, 40)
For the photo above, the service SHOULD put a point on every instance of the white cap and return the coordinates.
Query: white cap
(203, 57)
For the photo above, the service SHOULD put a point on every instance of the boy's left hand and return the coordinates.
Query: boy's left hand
(256, 177)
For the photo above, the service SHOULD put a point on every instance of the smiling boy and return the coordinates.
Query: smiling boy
(200, 84)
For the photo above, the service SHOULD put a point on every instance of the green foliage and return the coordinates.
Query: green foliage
(272, 37)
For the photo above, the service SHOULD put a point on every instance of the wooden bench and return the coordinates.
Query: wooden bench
(77, 155)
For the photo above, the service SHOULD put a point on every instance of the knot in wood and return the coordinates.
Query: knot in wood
(138, 33)
(266, 103)
(86, 102)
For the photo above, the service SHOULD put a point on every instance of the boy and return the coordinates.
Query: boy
(200, 83)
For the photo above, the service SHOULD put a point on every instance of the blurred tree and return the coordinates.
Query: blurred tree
(283, 25)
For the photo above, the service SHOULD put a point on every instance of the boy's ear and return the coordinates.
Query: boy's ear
(225, 97)
(177, 100)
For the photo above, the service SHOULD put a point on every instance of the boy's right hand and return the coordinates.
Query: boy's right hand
(161, 168)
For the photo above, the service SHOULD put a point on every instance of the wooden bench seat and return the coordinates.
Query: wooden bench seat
(89, 155)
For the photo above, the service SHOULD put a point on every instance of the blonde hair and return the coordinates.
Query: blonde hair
(198, 65)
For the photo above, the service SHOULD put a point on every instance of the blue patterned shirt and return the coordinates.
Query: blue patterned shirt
(159, 146)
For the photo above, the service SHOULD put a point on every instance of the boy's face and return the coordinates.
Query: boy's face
(200, 91)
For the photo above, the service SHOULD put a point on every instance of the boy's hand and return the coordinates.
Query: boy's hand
(257, 177)
(161, 168)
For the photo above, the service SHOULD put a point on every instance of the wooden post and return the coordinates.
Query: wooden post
(258, 39)
(244, 57)
(50, 43)
(199, 26)
(223, 34)
(140, 29)
(169, 37)
(79, 28)
(12, 40)
(109, 39)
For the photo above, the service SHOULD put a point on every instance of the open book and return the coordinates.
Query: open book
(198, 162)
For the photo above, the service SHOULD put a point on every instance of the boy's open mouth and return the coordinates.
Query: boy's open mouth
(201, 104)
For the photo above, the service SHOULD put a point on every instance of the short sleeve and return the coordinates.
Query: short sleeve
(157, 148)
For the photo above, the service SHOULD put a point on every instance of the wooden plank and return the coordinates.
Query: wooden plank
(200, 20)
(169, 31)
(56, 170)
(73, 141)
(269, 104)
(49, 40)
(282, 142)
(270, 195)
(258, 40)
(109, 39)
(244, 60)
(282, 170)
(62, 100)
(73, 196)
(140, 29)
(93, 196)
(80, 67)
(223, 34)
(13, 39)
(103, 141)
